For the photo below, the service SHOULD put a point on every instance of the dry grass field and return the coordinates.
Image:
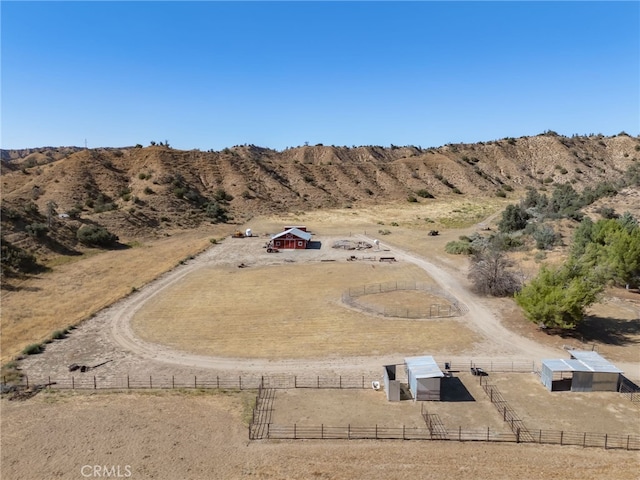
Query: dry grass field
(291, 311)
(76, 290)
(165, 435)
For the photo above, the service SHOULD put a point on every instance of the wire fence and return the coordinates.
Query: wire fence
(450, 307)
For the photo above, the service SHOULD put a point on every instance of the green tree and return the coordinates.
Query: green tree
(557, 298)
(96, 235)
(514, 218)
(614, 252)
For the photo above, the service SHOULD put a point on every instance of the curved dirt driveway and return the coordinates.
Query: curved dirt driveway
(500, 344)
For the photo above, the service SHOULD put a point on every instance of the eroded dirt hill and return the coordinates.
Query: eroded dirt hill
(137, 191)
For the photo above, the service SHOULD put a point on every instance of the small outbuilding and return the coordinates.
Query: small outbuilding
(291, 238)
(585, 371)
(424, 376)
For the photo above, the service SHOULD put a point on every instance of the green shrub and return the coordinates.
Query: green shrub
(59, 335)
(411, 199)
(37, 230)
(148, 191)
(459, 248)
(501, 193)
(424, 193)
(96, 235)
(33, 349)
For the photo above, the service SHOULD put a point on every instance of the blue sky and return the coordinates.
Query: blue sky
(210, 75)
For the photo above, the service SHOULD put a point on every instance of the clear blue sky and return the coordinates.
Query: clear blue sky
(277, 74)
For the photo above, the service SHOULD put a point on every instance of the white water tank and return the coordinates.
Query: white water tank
(247, 233)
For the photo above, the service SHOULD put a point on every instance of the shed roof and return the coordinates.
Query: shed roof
(423, 367)
(582, 361)
(296, 232)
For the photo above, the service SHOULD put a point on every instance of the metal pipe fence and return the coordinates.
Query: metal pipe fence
(378, 432)
(240, 382)
(453, 308)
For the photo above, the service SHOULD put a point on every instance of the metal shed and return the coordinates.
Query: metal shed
(391, 384)
(424, 377)
(585, 371)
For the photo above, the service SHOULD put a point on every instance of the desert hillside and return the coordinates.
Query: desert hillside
(49, 193)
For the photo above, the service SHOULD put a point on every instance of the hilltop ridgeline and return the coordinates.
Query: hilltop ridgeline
(136, 191)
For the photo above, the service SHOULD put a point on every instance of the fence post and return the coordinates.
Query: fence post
(518, 435)
(459, 433)
(377, 435)
(363, 381)
(403, 432)
(487, 434)
(173, 381)
(295, 381)
(150, 382)
(628, 436)
(504, 414)
(605, 440)
(561, 435)
(218, 381)
(322, 431)
(95, 385)
(294, 432)
(240, 381)
(73, 383)
(318, 381)
(584, 440)
(26, 377)
(349, 432)
(195, 381)
(128, 387)
(540, 437)
(340, 381)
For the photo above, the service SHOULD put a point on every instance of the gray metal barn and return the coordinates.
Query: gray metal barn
(424, 377)
(585, 371)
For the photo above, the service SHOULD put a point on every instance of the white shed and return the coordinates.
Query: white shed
(424, 377)
(585, 371)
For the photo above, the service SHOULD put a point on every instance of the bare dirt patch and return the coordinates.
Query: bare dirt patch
(597, 412)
